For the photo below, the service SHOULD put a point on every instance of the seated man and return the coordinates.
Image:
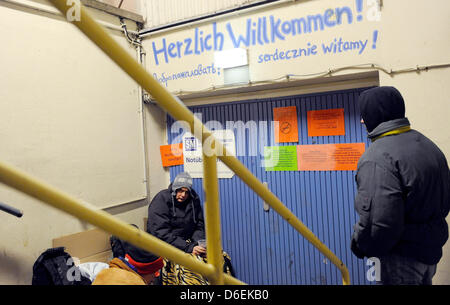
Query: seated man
(138, 267)
(176, 217)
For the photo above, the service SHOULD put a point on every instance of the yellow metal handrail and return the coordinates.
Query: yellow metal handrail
(179, 111)
(21, 181)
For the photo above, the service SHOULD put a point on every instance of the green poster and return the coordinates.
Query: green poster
(280, 158)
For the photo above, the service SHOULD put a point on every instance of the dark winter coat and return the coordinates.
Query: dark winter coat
(403, 188)
(179, 224)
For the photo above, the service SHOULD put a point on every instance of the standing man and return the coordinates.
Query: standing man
(403, 193)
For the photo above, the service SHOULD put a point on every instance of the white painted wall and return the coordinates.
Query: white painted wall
(421, 38)
(70, 117)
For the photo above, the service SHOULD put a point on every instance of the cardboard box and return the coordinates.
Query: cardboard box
(88, 246)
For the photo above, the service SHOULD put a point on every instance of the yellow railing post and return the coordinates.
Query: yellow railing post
(62, 201)
(212, 212)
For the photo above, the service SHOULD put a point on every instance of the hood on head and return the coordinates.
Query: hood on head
(380, 104)
(183, 179)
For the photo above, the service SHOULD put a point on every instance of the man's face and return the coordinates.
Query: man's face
(182, 194)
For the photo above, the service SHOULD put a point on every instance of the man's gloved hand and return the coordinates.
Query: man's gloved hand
(354, 247)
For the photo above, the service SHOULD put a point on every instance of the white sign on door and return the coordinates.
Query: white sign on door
(192, 153)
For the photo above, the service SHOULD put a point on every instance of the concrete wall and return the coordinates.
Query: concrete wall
(71, 118)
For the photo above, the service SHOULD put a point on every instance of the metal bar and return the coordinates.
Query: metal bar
(10, 210)
(46, 193)
(180, 112)
(212, 215)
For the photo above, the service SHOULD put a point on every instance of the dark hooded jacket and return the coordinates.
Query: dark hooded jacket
(179, 224)
(403, 185)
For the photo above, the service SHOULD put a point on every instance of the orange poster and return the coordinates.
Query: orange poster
(171, 154)
(329, 122)
(329, 157)
(285, 120)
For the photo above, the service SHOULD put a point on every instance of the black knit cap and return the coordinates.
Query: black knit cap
(138, 254)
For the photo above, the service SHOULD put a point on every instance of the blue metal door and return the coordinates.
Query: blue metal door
(264, 249)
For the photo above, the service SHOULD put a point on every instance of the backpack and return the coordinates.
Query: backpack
(56, 267)
(117, 247)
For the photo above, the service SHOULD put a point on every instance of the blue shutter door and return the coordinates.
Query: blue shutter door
(264, 249)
